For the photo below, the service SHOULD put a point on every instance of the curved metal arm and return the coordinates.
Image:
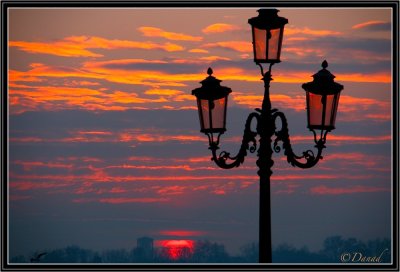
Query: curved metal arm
(249, 136)
(292, 158)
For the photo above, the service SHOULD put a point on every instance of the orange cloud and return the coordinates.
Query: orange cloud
(46, 97)
(219, 28)
(355, 109)
(61, 48)
(239, 46)
(358, 77)
(214, 58)
(367, 24)
(324, 190)
(167, 92)
(253, 101)
(302, 52)
(128, 98)
(140, 77)
(77, 46)
(89, 96)
(75, 83)
(47, 93)
(350, 103)
(158, 32)
(312, 32)
(122, 62)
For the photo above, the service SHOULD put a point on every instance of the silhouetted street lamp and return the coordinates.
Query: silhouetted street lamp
(322, 96)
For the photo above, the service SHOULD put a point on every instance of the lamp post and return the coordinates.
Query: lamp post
(322, 96)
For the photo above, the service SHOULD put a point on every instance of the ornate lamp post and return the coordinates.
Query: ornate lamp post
(322, 96)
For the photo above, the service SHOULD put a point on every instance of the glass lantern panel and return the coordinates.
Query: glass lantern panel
(315, 109)
(218, 113)
(260, 36)
(335, 108)
(329, 112)
(205, 114)
(273, 44)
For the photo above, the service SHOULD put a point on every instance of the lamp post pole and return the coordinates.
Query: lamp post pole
(322, 98)
(266, 129)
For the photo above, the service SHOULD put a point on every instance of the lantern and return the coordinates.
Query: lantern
(322, 96)
(212, 100)
(267, 30)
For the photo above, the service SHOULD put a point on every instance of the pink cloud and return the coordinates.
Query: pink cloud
(28, 165)
(324, 190)
(181, 233)
(123, 200)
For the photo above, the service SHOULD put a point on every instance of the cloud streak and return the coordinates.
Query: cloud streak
(373, 25)
(290, 31)
(324, 190)
(220, 28)
(148, 31)
(77, 46)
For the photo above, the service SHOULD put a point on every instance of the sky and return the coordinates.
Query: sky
(104, 137)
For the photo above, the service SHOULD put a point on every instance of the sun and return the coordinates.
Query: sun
(177, 249)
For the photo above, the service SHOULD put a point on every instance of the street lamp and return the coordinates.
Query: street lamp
(267, 31)
(212, 101)
(322, 96)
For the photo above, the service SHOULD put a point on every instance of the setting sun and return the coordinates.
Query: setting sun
(176, 249)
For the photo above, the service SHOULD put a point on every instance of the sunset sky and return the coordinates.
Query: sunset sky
(104, 141)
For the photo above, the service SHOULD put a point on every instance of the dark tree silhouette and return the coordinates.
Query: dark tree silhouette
(212, 252)
(37, 257)
(205, 251)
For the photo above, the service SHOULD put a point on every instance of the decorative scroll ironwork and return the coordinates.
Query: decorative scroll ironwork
(292, 158)
(249, 143)
(249, 137)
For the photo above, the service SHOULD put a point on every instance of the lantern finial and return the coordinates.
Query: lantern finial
(209, 71)
(324, 64)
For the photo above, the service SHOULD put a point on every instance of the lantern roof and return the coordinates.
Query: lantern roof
(211, 88)
(323, 82)
(268, 19)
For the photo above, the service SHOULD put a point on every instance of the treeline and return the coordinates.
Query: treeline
(335, 250)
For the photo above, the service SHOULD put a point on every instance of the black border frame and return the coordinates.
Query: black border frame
(5, 5)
